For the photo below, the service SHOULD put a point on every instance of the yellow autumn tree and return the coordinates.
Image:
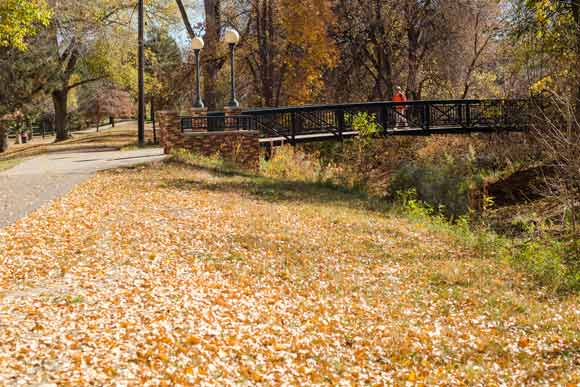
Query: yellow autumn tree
(288, 50)
(20, 19)
(310, 51)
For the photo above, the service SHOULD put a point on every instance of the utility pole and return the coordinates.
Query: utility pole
(141, 70)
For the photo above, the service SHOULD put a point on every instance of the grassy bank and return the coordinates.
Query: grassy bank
(551, 263)
(197, 274)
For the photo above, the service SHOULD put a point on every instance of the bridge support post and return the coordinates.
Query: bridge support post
(340, 124)
(468, 115)
(383, 118)
(240, 147)
(426, 116)
(294, 128)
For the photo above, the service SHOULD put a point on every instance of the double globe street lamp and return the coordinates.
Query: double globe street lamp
(232, 38)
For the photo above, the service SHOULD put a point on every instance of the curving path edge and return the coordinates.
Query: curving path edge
(37, 181)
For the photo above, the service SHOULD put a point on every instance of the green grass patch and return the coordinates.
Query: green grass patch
(552, 264)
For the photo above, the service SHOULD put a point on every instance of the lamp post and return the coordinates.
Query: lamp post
(141, 71)
(197, 44)
(232, 38)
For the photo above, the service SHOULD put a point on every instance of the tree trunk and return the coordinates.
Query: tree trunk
(211, 62)
(265, 62)
(60, 100)
(576, 70)
(3, 138)
(384, 81)
(413, 64)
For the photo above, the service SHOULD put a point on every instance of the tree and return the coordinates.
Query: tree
(105, 101)
(547, 35)
(426, 27)
(25, 74)
(467, 61)
(308, 52)
(482, 26)
(366, 34)
(288, 49)
(165, 74)
(213, 59)
(20, 19)
(89, 42)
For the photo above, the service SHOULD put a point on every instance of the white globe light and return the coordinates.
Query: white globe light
(197, 43)
(232, 37)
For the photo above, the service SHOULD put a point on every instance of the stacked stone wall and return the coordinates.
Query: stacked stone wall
(240, 147)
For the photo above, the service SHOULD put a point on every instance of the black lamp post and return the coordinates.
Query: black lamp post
(141, 71)
(197, 44)
(232, 38)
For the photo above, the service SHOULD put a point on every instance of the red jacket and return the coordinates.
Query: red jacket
(400, 97)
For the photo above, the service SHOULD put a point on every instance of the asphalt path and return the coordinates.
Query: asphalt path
(38, 181)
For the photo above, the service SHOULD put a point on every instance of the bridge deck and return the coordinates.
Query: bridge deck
(303, 138)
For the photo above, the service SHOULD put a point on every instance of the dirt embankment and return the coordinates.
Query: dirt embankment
(522, 186)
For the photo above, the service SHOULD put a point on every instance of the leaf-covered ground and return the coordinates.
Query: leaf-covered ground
(166, 275)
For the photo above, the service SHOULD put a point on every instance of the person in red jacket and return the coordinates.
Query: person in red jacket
(401, 110)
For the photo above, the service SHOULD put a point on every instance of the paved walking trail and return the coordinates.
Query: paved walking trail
(38, 181)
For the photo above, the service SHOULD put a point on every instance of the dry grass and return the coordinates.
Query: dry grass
(168, 275)
(7, 164)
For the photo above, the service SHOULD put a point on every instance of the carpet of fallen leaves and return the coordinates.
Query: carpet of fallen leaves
(167, 275)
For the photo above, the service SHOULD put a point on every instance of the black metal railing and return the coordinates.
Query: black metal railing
(315, 122)
(217, 123)
(459, 115)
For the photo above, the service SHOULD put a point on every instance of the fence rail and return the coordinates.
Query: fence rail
(44, 128)
(217, 123)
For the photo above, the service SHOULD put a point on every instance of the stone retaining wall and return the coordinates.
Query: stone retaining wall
(240, 147)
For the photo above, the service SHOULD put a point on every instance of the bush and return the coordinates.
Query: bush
(548, 263)
(291, 163)
(446, 186)
(551, 264)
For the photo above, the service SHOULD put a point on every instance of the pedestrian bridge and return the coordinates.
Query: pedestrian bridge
(300, 124)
